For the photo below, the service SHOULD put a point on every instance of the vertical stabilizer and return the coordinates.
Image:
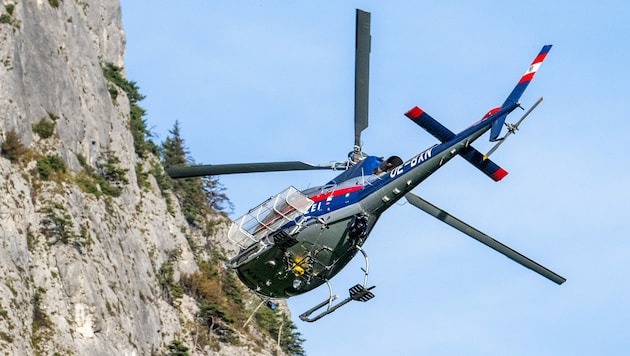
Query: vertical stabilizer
(517, 92)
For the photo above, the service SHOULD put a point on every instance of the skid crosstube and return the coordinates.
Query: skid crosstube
(359, 293)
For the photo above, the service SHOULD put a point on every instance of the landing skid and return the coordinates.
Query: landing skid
(358, 292)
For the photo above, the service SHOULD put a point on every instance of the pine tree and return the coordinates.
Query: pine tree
(197, 196)
(12, 147)
(215, 194)
(177, 348)
(174, 153)
(137, 123)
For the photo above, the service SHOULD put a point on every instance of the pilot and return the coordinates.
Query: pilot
(388, 165)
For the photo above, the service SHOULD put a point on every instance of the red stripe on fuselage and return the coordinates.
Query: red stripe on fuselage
(335, 193)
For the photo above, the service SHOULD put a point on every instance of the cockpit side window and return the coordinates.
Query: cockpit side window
(389, 164)
(324, 189)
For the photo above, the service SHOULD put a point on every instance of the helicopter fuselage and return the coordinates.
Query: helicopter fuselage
(342, 215)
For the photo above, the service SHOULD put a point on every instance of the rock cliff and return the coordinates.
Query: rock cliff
(83, 269)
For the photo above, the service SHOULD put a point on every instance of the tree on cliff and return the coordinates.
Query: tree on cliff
(197, 196)
(137, 122)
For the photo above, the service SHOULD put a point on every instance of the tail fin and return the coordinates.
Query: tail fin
(497, 125)
(442, 133)
(517, 92)
(522, 84)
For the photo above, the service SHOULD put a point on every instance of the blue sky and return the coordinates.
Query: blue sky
(255, 81)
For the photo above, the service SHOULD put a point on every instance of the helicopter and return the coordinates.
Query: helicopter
(296, 241)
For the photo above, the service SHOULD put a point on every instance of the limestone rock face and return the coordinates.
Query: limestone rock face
(79, 271)
(52, 66)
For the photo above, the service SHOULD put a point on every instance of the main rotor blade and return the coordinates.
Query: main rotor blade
(361, 75)
(483, 238)
(217, 169)
(514, 128)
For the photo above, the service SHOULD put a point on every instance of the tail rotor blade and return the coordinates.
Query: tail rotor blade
(362, 75)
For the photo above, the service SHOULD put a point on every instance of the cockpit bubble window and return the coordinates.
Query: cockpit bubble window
(391, 163)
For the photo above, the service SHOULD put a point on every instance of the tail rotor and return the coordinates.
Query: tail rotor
(512, 128)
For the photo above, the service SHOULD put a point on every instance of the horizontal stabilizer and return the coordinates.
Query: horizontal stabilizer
(439, 131)
(485, 165)
(431, 125)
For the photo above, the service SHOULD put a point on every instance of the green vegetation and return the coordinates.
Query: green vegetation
(12, 147)
(7, 17)
(278, 325)
(138, 125)
(7, 63)
(40, 319)
(42, 326)
(174, 153)
(142, 177)
(57, 224)
(219, 295)
(165, 183)
(111, 177)
(197, 196)
(88, 184)
(222, 310)
(4, 315)
(44, 128)
(54, 3)
(171, 290)
(218, 314)
(50, 165)
(177, 348)
(107, 179)
(6, 337)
